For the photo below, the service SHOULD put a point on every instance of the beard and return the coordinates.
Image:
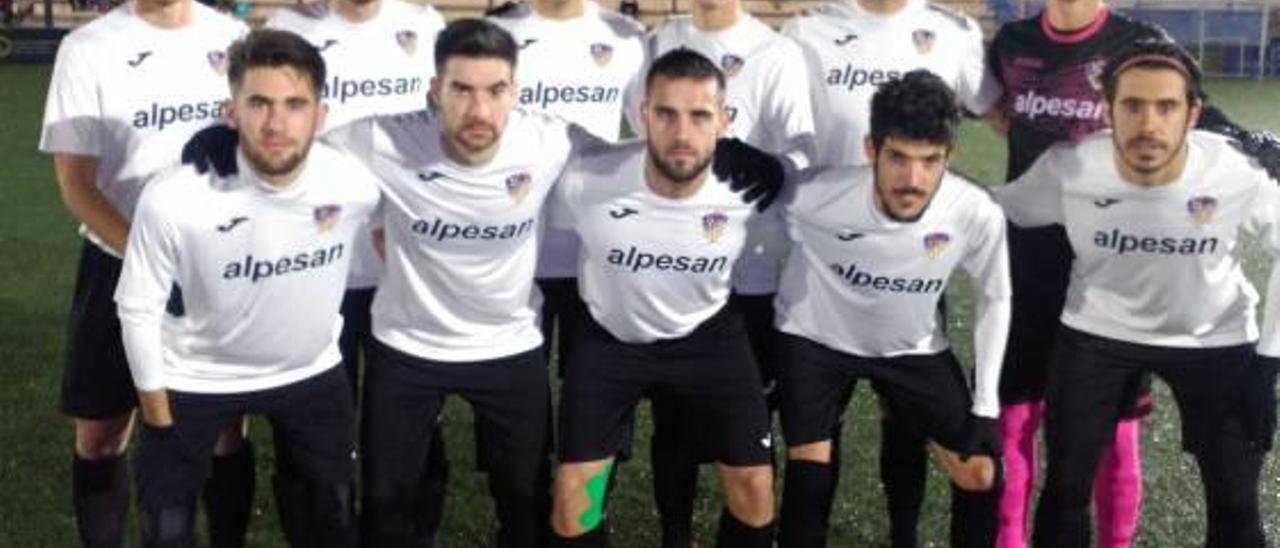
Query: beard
(272, 168)
(885, 199)
(676, 173)
(1145, 168)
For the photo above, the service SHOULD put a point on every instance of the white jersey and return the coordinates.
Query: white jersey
(461, 241)
(863, 284)
(130, 94)
(261, 268)
(768, 102)
(850, 52)
(1155, 265)
(379, 66)
(579, 69)
(653, 268)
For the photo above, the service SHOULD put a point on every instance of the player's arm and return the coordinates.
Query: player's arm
(1035, 198)
(1258, 387)
(790, 107)
(977, 88)
(76, 175)
(146, 278)
(988, 266)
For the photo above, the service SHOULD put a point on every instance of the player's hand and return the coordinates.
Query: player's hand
(1257, 406)
(751, 171)
(214, 148)
(154, 405)
(1263, 146)
(982, 437)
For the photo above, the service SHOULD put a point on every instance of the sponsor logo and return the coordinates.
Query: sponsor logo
(142, 56)
(218, 61)
(862, 279)
(601, 53)
(634, 260)
(1105, 203)
(328, 43)
(732, 64)
(935, 243)
(544, 95)
(518, 185)
(846, 39)
(848, 235)
(254, 269)
(1202, 209)
(714, 225)
(340, 90)
(1122, 243)
(234, 222)
(1034, 105)
(851, 77)
(161, 116)
(326, 216)
(441, 230)
(622, 213)
(527, 42)
(408, 41)
(923, 39)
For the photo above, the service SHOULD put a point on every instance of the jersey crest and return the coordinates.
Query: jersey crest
(923, 39)
(601, 53)
(1202, 209)
(935, 243)
(1093, 73)
(731, 64)
(713, 226)
(327, 216)
(218, 61)
(518, 186)
(408, 41)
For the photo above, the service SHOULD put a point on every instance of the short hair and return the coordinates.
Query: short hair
(476, 38)
(275, 48)
(1154, 53)
(684, 63)
(917, 107)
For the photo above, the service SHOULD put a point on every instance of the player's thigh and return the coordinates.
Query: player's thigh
(926, 395)
(96, 383)
(814, 384)
(598, 399)
(1089, 377)
(511, 401)
(726, 409)
(313, 422)
(402, 397)
(1206, 386)
(173, 461)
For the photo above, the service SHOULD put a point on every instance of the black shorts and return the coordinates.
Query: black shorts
(709, 375)
(312, 421)
(757, 316)
(561, 306)
(357, 331)
(1092, 379)
(925, 394)
(96, 382)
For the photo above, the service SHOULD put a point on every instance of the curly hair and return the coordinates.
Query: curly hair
(917, 107)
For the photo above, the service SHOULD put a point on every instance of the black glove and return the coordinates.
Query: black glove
(1264, 147)
(981, 438)
(212, 147)
(758, 175)
(1257, 406)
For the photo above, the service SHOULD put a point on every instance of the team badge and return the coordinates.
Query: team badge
(218, 61)
(923, 39)
(935, 243)
(326, 216)
(602, 53)
(731, 64)
(1093, 73)
(713, 226)
(1202, 209)
(408, 41)
(518, 186)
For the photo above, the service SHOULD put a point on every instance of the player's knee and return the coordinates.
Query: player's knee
(232, 437)
(168, 527)
(102, 438)
(819, 451)
(749, 494)
(579, 497)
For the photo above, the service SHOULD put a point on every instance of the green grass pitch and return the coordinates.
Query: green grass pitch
(38, 245)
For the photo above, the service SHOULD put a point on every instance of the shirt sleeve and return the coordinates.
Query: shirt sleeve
(150, 266)
(790, 109)
(1264, 223)
(1035, 198)
(72, 113)
(977, 87)
(987, 264)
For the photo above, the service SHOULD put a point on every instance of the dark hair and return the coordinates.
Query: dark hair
(918, 107)
(1153, 53)
(684, 63)
(474, 38)
(275, 48)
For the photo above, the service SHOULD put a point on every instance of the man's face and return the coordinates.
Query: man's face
(683, 119)
(276, 112)
(474, 95)
(907, 174)
(1150, 118)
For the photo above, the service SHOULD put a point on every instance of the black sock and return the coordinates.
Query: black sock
(735, 534)
(675, 485)
(228, 497)
(100, 495)
(902, 472)
(975, 515)
(595, 538)
(808, 492)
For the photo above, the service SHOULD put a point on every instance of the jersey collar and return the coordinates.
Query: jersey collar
(1075, 36)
